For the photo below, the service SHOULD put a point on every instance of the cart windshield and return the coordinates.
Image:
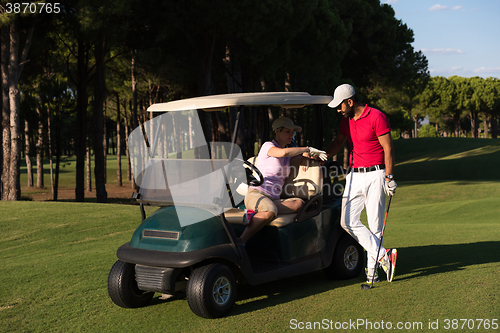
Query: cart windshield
(174, 165)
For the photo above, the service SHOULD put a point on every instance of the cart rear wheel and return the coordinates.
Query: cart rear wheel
(211, 291)
(122, 287)
(348, 260)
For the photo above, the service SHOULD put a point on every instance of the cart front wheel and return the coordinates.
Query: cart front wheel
(122, 287)
(211, 291)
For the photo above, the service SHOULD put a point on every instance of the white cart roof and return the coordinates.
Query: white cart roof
(220, 102)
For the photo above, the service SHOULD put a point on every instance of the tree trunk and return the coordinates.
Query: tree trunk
(125, 124)
(14, 101)
(415, 129)
(118, 144)
(494, 126)
(5, 54)
(134, 121)
(456, 119)
(89, 169)
(50, 154)
(99, 97)
(105, 143)
(11, 71)
(58, 154)
(39, 151)
(486, 121)
(134, 94)
(473, 124)
(81, 121)
(27, 149)
(205, 84)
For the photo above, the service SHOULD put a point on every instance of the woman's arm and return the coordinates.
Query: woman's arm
(287, 152)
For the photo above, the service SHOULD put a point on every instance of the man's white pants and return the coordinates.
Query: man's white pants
(365, 190)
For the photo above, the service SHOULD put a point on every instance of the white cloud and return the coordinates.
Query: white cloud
(460, 71)
(438, 8)
(390, 1)
(456, 69)
(487, 70)
(442, 51)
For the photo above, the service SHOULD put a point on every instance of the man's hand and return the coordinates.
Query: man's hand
(390, 186)
(316, 153)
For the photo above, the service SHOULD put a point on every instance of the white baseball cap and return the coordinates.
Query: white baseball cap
(342, 92)
(286, 123)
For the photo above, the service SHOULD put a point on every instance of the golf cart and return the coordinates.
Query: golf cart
(197, 188)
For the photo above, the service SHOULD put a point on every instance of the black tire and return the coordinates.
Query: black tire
(211, 291)
(348, 260)
(122, 287)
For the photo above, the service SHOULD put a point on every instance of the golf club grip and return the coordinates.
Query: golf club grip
(388, 204)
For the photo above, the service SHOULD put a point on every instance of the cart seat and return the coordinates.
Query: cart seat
(235, 216)
(306, 185)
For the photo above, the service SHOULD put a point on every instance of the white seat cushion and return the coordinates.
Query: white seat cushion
(235, 216)
(303, 184)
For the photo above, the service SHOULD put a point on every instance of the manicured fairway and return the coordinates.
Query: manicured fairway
(56, 257)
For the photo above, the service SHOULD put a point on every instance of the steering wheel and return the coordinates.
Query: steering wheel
(250, 169)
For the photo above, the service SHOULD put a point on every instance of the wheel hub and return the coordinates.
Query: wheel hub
(221, 291)
(351, 257)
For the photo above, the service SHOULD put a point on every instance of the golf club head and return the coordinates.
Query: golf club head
(366, 286)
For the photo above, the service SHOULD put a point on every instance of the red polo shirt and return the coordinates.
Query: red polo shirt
(363, 134)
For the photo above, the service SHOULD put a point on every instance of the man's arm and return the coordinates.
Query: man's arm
(335, 146)
(386, 143)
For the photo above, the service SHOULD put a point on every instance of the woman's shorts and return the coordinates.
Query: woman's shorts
(260, 202)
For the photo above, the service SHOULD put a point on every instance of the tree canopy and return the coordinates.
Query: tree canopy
(90, 71)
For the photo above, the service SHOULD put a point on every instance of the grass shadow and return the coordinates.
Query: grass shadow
(271, 294)
(420, 261)
(429, 160)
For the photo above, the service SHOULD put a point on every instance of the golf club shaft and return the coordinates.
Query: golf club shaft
(381, 237)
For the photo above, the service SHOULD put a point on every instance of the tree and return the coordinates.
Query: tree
(484, 99)
(5, 49)
(11, 70)
(464, 92)
(380, 50)
(445, 101)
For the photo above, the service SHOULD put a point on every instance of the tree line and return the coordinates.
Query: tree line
(454, 106)
(76, 83)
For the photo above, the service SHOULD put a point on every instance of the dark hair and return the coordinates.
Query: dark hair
(279, 129)
(354, 98)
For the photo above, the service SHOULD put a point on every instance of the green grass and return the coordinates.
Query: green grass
(56, 257)
(67, 171)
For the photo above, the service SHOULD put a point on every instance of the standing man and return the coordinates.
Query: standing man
(371, 164)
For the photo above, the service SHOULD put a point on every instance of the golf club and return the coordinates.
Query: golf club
(369, 286)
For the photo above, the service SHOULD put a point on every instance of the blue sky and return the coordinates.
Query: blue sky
(458, 37)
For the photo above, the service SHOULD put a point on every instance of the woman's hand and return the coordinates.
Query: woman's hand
(318, 154)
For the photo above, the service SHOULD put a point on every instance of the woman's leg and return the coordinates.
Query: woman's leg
(259, 220)
(289, 206)
(265, 211)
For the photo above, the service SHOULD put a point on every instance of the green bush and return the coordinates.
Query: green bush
(427, 131)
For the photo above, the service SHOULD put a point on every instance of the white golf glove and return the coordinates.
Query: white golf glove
(316, 153)
(390, 187)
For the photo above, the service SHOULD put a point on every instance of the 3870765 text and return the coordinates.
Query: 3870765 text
(31, 8)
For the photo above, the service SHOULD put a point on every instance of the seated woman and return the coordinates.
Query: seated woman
(263, 203)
